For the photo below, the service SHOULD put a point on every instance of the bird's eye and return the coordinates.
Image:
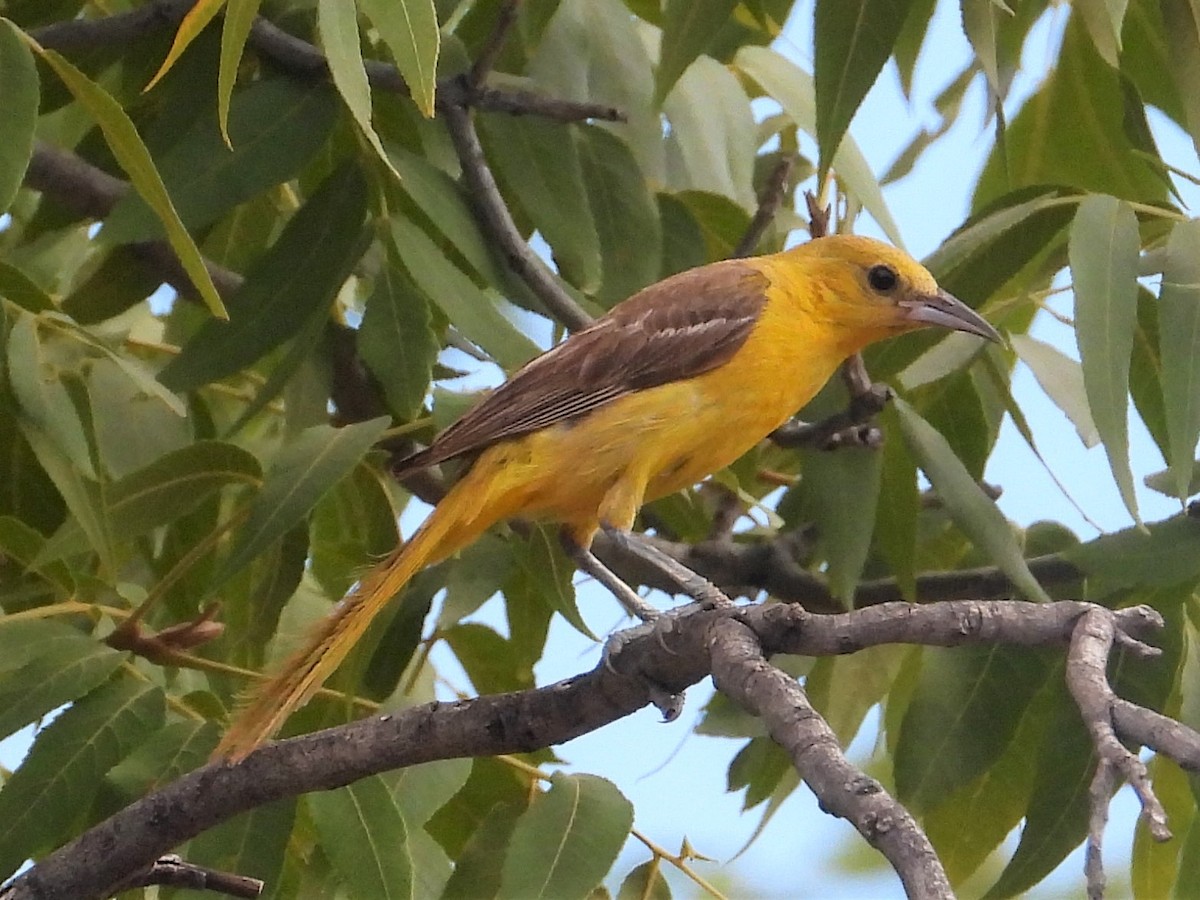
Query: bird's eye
(882, 278)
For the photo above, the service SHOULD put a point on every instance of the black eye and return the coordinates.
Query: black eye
(882, 278)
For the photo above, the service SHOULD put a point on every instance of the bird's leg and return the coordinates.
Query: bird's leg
(588, 562)
(691, 583)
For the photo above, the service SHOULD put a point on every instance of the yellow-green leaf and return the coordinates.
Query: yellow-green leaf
(193, 23)
(410, 30)
(239, 17)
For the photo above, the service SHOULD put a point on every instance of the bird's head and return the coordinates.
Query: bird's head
(869, 286)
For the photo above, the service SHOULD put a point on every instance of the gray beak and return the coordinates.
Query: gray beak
(944, 311)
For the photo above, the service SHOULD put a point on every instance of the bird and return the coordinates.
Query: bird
(669, 386)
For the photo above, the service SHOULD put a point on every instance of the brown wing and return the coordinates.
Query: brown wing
(676, 329)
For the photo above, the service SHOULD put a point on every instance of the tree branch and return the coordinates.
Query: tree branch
(496, 220)
(174, 871)
(741, 671)
(672, 654)
(1087, 661)
(768, 207)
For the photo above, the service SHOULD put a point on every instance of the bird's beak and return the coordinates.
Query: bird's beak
(945, 311)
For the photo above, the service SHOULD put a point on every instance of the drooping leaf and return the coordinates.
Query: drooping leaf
(292, 282)
(41, 801)
(305, 469)
(410, 30)
(396, 341)
(18, 109)
(1179, 343)
(853, 40)
(1104, 258)
(967, 706)
(196, 20)
(239, 18)
(365, 837)
(474, 312)
(688, 27)
(625, 215)
(134, 158)
(972, 510)
(172, 751)
(842, 489)
(1164, 553)
(1062, 380)
(338, 24)
(538, 162)
(589, 819)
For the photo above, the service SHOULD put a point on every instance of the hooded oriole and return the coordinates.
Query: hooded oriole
(671, 385)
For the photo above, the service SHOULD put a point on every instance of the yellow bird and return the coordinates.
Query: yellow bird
(669, 386)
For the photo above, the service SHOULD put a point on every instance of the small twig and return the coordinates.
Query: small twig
(506, 17)
(741, 671)
(174, 871)
(1092, 641)
(850, 427)
(496, 220)
(768, 205)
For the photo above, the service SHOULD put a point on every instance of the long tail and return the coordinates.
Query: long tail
(455, 522)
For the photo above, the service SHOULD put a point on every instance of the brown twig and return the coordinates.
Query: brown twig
(768, 206)
(174, 871)
(496, 220)
(741, 671)
(1092, 642)
(489, 54)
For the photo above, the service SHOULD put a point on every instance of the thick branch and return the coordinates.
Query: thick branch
(741, 671)
(135, 837)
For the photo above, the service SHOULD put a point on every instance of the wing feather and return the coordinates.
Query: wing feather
(676, 329)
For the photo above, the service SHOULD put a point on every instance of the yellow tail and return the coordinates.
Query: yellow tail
(461, 517)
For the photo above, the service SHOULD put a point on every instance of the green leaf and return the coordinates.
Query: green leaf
(18, 109)
(252, 844)
(46, 664)
(1155, 865)
(410, 30)
(194, 22)
(1062, 380)
(979, 25)
(170, 752)
(308, 466)
(645, 882)
(175, 484)
(625, 215)
(277, 125)
(490, 661)
(294, 280)
(474, 312)
(1164, 481)
(337, 23)
(793, 88)
(396, 341)
(758, 767)
(1104, 263)
(364, 835)
(711, 141)
(842, 489)
(537, 162)
(1057, 814)
(353, 522)
(41, 802)
(1161, 554)
(968, 704)
(239, 19)
(477, 869)
(1145, 374)
(18, 288)
(843, 689)
(543, 573)
(135, 159)
(586, 820)
(1103, 22)
(898, 506)
(422, 790)
(688, 29)
(45, 362)
(1071, 132)
(1179, 342)
(970, 508)
(853, 40)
